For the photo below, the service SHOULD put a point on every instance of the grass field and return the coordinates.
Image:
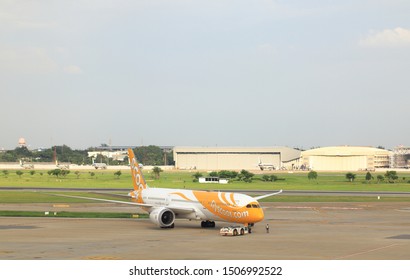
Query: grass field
(41, 197)
(65, 214)
(183, 179)
(49, 197)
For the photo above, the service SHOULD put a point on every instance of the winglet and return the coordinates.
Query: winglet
(137, 177)
(267, 195)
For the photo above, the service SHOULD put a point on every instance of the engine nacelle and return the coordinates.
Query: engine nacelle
(162, 217)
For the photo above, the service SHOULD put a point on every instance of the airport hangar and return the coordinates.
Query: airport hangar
(346, 158)
(234, 158)
(338, 158)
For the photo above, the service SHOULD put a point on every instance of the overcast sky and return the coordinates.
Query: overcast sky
(205, 73)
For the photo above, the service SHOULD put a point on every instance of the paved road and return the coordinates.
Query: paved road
(309, 231)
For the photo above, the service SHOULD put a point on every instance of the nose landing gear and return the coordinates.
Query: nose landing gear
(207, 224)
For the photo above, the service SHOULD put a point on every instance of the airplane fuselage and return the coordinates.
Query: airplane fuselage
(202, 205)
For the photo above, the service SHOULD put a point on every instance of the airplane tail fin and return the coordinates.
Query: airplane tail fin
(137, 177)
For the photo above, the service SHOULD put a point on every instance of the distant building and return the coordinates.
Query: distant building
(401, 157)
(22, 143)
(213, 180)
(115, 155)
(105, 147)
(235, 158)
(118, 152)
(346, 158)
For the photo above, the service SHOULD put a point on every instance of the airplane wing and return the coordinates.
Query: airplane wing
(182, 210)
(112, 194)
(107, 200)
(267, 195)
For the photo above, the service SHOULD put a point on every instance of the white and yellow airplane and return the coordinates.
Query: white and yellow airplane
(166, 205)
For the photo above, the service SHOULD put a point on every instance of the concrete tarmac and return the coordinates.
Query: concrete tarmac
(298, 231)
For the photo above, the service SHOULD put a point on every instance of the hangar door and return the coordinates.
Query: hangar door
(338, 163)
(225, 160)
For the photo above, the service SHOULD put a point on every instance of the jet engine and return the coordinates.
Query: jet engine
(162, 217)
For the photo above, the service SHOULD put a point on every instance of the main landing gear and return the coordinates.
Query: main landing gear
(207, 224)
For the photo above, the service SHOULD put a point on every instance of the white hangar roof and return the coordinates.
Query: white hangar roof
(287, 154)
(345, 151)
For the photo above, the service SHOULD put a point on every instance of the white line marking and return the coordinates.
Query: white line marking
(308, 207)
(365, 252)
(342, 208)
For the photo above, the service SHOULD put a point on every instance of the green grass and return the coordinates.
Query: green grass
(42, 197)
(65, 214)
(183, 179)
(291, 198)
(102, 179)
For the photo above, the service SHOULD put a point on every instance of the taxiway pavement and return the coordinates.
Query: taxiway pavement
(298, 231)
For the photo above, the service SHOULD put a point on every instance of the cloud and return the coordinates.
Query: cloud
(26, 60)
(73, 69)
(31, 60)
(16, 16)
(266, 48)
(398, 37)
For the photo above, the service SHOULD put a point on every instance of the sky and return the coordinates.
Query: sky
(205, 73)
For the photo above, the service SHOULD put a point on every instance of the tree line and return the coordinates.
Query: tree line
(62, 153)
(389, 177)
(147, 155)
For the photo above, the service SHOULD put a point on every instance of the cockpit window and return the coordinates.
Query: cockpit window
(253, 205)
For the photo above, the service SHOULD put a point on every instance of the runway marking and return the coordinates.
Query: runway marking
(313, 208)
(61, 206)
(368, 251)
(293, 207)
(342, 208)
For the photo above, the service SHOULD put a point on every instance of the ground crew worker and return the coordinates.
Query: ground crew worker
(267, 228)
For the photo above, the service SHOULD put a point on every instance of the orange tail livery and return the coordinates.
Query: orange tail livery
(137, 177)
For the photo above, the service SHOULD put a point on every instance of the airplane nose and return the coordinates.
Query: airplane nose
(262, 215)
(259, 215)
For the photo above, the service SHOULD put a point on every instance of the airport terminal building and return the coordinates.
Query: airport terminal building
(346, 158)
(235, 158)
